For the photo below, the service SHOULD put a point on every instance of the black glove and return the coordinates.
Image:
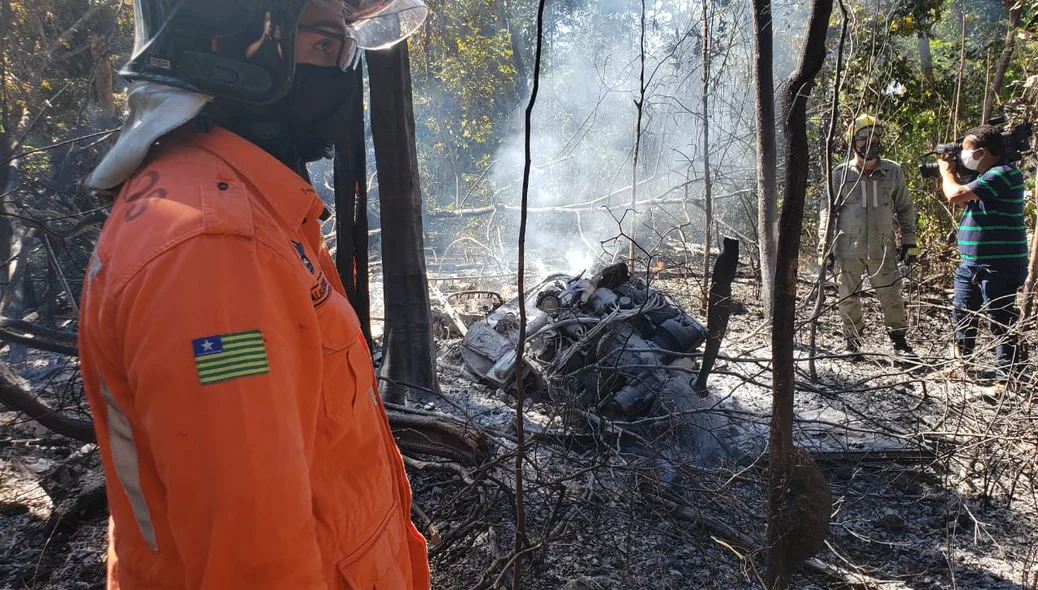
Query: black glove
(907, 254)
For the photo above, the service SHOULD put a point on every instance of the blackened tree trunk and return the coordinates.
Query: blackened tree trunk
(787, 550)
(767, 191)
(1015, 9)
(409, 364)
(351, 210)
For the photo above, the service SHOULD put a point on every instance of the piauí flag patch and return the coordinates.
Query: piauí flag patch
(229, 356)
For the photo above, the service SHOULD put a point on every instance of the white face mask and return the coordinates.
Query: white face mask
(970, 160)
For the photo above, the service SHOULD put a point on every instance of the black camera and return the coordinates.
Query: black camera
(1015, 143)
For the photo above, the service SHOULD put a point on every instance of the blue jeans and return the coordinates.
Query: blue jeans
(993, 290)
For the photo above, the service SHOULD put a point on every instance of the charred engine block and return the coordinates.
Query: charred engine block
(613, 337)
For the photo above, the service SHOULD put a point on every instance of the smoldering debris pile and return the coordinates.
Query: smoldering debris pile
(612, 345)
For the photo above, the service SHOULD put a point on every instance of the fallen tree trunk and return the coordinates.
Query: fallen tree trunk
(439, 435)
(33, 336)
(574, 209)
(15, 395)
(37, 343)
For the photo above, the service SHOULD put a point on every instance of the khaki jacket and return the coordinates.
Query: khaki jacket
(867, 209)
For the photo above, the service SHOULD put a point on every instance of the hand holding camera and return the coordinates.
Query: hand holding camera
(1015, 142)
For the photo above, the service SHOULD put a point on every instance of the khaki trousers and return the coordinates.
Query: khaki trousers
(885, 278)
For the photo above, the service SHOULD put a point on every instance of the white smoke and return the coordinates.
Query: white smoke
(585, 118)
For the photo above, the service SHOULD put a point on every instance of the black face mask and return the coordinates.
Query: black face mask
(302, 126)
(870, 151)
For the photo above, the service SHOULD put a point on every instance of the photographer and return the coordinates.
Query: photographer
(992, 242)
(871, 194)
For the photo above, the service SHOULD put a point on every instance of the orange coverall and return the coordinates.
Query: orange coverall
(243, 438)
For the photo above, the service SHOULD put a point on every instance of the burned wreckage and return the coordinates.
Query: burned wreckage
(615, 341)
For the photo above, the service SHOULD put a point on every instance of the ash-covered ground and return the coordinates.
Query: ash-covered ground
(932, 473)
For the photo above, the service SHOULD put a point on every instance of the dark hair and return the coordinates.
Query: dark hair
(987, 137)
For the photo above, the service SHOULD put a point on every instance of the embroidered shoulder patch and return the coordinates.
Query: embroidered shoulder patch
(229, 356)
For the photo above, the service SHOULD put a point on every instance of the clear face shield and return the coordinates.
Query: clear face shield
(370, 24)
(378, 24)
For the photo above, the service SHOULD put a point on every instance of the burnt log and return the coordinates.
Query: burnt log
(719, 310)
(15, 394)
(33, 336)
(440, 435)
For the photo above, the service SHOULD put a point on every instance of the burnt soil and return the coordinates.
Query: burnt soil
(932, 474)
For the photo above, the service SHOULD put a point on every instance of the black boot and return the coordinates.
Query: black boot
(901, 347)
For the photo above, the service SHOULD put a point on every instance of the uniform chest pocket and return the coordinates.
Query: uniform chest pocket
(347, 376)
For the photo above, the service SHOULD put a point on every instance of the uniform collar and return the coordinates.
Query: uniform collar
(294, 200)
(880, 169)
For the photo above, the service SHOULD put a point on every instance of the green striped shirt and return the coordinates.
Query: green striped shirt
(992, 229)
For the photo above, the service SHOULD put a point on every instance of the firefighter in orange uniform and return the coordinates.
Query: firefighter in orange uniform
(244, 442)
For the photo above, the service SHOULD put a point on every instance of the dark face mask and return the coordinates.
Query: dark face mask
(302, 126)
(870, 151)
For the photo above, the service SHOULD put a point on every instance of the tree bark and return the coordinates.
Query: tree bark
(925, 57)
(767, 190)
(350, 172)
(103, 78)
(709, 209)
(13, 302)
(5, 223)
(825, 245)
(38, 337)
(1015, 9)
(409, 362)
(783, 553)
(719, 310)
(13, 250)
(632, 237)
(522, 77)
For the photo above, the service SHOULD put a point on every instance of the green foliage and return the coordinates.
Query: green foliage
(47, 97)
(465, 82)
(883, 76)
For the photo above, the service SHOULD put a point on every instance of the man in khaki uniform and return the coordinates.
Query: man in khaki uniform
(871, 196)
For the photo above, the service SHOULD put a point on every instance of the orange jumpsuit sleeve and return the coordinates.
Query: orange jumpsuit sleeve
(232, 455)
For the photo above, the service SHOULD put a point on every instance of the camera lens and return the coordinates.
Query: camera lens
(929, 170)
